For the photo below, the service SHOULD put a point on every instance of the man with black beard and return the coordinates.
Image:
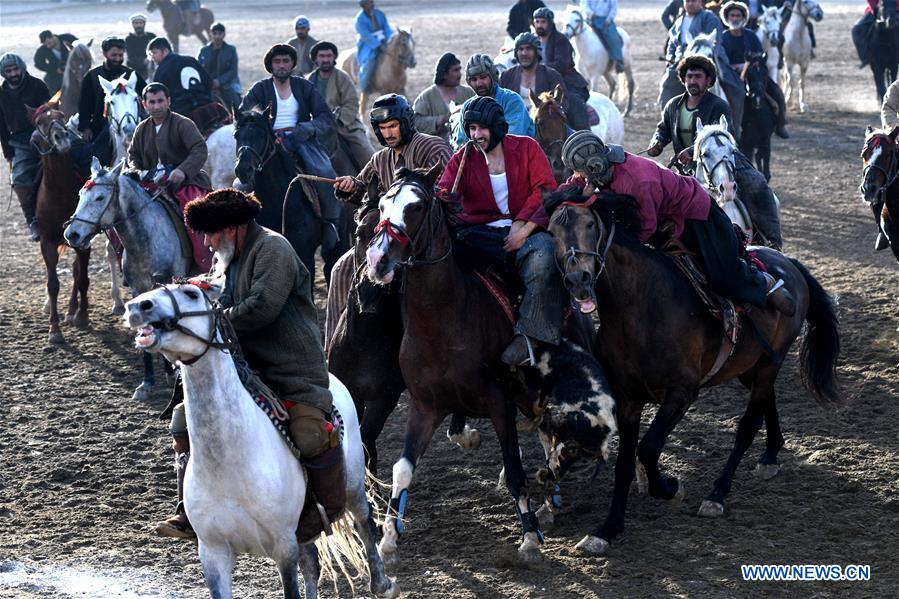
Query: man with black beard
(559, 55)
(304, 126)
(92, 121)
(529, 75)
(186, 79)
(136, 45)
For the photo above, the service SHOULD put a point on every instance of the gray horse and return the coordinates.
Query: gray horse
(153, 250)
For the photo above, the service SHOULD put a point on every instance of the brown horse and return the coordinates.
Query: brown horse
(552, 128)
(173, 22)
(57, 198)
(390, 73)
(658, 344)
(879, 187)
(77, 65)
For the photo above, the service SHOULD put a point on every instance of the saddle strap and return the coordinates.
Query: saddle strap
(725, 351)
(498, 295)
(175, 216)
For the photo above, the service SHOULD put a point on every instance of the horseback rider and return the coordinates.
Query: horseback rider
(788, 6)
(167, 142)
(500, 193)
(678, 126)
(662, 195)
(861, 30)
(354, 150)
(188, 82)
(372, 34)
(743, 46)
(92, 122)
(303, 43)
(559, 54)
(219, 59)
(303, 125)
(601, 15)
(50, 57)
(889, 110)
(20, 90)
(695, 21)
(268, 301)
(520, 17)
(136, 45)
(432, 106)
(190, 14)
(529, 75)
(480, 74)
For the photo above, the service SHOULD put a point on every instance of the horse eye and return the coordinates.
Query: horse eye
(590, 225)
(98, 199)
(191, 294)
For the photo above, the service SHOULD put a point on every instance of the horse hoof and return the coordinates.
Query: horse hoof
(591, 545)
(469, 438)
(679, 495)
(56, 338)
(767, 471)
(142, 393)
(118, 309)
(391, 592)
(804, 107)
(711, 509)
(529, 552)
(642, 479)
(546, 517)
(81, 321)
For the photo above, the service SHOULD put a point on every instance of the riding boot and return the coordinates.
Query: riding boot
(326, 493)
(779, 296)
(520, 351)
(178, 526)
(780, 127)
(330, 211)
(28, 203)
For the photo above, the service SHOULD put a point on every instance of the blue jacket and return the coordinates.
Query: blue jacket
(704, 22)
(366, 38)
(517, 116)
(224, 71)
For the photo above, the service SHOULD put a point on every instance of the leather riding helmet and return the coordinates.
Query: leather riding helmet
(486, 111)
(393, 107)
(544, 13)
(480, 64)
(584, 152)
(526, 38)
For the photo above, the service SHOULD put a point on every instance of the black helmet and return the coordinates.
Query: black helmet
(544, 13)
(393, 107)
(527, 38)
(486, 111)
(586, 153)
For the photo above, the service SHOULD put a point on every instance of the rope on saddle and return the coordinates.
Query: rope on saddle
(498, 294)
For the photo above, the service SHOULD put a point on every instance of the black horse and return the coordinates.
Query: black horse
(880, 182)
(267, 168)
(758, 119)
(884, 54)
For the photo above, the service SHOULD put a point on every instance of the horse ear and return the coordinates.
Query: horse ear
(89, 43)
(433, 174)
(132, 80)
(535, 99)
(267, 113)
(30, 112)
(95, 166)
(868, 129)
(105, 84)
(374, 185)
(723, 122)
(699, 124)
(559, 94)
(117, 169)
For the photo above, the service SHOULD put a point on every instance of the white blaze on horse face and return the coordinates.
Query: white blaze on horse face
(393, 210)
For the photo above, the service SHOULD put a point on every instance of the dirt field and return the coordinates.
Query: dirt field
(85, 471)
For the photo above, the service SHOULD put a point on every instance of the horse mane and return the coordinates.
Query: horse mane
(610, 207)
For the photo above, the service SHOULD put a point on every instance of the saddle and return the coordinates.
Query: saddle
(210, 117)
(174, 213)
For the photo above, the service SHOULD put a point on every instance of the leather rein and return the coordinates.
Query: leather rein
(399, 234)
(214, 315)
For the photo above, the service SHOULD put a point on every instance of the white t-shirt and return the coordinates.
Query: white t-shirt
(501, 195)
(286, 114)
(685, 35)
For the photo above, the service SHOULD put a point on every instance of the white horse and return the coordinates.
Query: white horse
(244, 489)
(592, 58)
(222, 152)
(770, 22)
(611, 122)
(798, 50)
(505, 60)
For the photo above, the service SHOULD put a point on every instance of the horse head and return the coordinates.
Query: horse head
(755, 79)
(178, 320)
(552, 128)
(574, 22)
(808, 9)
(406, 214)
(152, 5)
(122, 105)
(78, 64)
(703, 44)
(255, 142)
(770, 24)
(880, 157)
(402, 45)
(713, 152)
(50, 133)
(96, 210)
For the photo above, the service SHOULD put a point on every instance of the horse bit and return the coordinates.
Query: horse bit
(214, 315)
(262, 160)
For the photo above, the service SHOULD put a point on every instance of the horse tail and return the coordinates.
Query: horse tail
(820, 347)
(626, 81)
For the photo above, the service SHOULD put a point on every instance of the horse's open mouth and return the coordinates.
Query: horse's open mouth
(586, 305)
(146, 337)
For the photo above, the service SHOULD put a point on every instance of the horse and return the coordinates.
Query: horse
(797, 49)
(77, 65)
(683, 348)
(879, 188)
(221, 149)
(759, 119)
(123, 110)
(769, 32)
(884, 55)
(389, 76)
(264, 166)
(592, 58)
(153, 251)
(173, 22)
(244, 488)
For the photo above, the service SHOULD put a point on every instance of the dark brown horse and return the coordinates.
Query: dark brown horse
(552, 129)
(879, 187)
(173, 22)
(57, 198)
(658, 344)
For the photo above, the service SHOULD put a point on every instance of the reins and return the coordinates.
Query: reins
(571, 255)
(214, 315)
(270, 149)
(890, 174)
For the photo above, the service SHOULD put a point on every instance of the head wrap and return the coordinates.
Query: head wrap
(10, 59)
(696, 61)
(279, 50)
(732, 5)
(446, 62)
(480, 64)
(301, 21)
(221, 209)
(526, 38)
(393, 107)
(486, 111)
(138, 17)
(586, 153)
(544, 13)
(323, 45)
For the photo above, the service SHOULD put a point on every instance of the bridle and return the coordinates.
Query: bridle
(890, 174)
(213, 314)
(561, 142)
(45, 137)
(403, 52)
(97, 225)
(399, 234)
(570, 258)
(578, 28)
(120, 122)
(263, 157)
(708, 173)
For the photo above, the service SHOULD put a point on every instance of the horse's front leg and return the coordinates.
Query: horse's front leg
(218, 565)
(51, 259)
(461, 434)
(81, 317)
(115, 273)
(142, 393)
(670, 413)
(421, 423)
(803, 69)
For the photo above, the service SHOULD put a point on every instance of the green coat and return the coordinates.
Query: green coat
(271, 309)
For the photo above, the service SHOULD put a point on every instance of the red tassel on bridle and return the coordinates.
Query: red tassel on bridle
(393, 232)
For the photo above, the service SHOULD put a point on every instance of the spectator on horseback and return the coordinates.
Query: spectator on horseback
(188, 83)
(303, 125)
(190, 14)
(432, 106)
(50, 58)
(372, 34)
(136, 45)
(480, 74)
(219, 59)
(743, 46)
(268, 301)
(520, 17)
(500, 193)
(694, 21)
(20, 89)
(336, 87)
(788, 12)
(302, 43)
(529, 75)
(170, 146)
(559, 55)
(861, 30)
(601, 15)
(662, 195)
(889, 111)
(92, 123)
(671, 13)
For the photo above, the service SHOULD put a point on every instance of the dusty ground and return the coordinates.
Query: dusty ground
(85, 471)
